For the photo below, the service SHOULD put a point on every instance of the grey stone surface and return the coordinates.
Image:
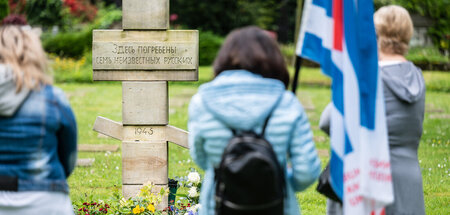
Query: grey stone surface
(145, 15)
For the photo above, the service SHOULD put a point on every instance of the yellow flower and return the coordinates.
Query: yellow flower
(138, 210)
(151, 208)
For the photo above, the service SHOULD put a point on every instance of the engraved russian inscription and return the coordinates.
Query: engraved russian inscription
(144, 56)
(170, 55)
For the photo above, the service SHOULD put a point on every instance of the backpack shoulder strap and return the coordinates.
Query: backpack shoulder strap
(266, 122)
(265, 125)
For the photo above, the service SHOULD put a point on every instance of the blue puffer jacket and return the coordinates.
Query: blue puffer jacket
(243, 101)
(38, 137)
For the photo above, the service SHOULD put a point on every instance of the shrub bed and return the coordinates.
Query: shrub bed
(75, 44)
(208, 47)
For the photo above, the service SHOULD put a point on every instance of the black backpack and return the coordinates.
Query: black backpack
(249, 180)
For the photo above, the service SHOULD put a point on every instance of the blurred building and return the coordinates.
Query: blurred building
(421, 26)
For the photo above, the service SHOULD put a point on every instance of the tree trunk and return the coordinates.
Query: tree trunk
(283, 22)
(298, 20)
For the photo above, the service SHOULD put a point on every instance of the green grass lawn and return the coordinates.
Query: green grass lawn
(104, 99)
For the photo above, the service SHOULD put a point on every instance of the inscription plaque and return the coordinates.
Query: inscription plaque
(121, 55)
(144, 56)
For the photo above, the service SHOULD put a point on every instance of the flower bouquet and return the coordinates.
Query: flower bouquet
(144, 203)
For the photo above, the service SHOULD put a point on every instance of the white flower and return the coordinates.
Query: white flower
(194, 177)
(193, 192)
(194, 208)
(123, 202)
(197, 206)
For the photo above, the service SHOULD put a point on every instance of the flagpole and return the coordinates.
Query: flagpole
(298, 64)
(298, 59)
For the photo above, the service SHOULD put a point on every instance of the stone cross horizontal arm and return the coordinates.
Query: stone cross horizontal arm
(150, 133)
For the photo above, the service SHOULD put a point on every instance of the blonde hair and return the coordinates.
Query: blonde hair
(21, 50)
(394, 29)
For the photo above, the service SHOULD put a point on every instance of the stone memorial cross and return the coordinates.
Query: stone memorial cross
(144, 56)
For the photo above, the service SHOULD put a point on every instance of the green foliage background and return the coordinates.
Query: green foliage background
(208, 47)
(75, 43)
(4, 9)
(222, 16)
(44, 13)
(437, 10)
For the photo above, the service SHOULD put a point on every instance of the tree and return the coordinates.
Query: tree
(219, 16)
(118, 3)
(44, 13)
(4, 9)
(286, 20)
(222, 16)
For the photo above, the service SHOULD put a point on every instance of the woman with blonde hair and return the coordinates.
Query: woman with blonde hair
(38, 136)
(404, 96)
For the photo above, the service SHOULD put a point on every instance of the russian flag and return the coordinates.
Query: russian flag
(340, 35)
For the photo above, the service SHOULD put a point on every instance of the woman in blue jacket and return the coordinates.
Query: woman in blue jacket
(251, 79)
(38, 132)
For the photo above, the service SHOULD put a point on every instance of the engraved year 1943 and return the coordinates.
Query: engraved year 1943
(143, 131)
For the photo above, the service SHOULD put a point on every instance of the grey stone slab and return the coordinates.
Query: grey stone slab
(116, 50)
(434, 110)
(85, 162)
(144, 162)
(145, 103)
(319, 139)
(439, 116)
(129, 75)
(145, 14)
(102, 136)
(323, 152)
(98, 148)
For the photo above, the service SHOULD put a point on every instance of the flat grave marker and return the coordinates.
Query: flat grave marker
(98, 148)
(85, 162)
(439, 116)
